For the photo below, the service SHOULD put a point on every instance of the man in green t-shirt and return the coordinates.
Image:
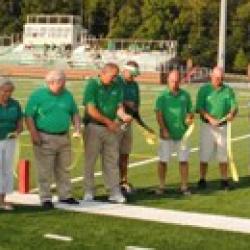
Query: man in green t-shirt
(216, 104)
(174, 114)
(49, 112)
(103, 98)
(131, 101)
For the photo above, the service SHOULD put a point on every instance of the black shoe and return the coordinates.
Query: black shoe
(225, 185)
(47, 205)
(126, 188)
(202, 184)
(70, 201)
(160, 191)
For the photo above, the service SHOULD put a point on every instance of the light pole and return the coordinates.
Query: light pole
(222, 35)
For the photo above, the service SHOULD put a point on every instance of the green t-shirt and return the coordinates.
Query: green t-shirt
(174, 109)
(217, 102)
(106, 98)
(9, 116)
(131, 92)
(51, 113)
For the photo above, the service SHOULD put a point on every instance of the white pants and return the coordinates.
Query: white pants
(213, 140)
(167, 147)
(7, 151)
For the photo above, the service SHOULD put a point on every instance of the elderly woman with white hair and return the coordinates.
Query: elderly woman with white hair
(11, 125)
(49, 113)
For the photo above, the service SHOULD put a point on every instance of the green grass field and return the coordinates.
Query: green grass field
(24, 228)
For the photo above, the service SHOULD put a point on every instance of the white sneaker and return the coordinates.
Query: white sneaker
(88, 197)
(117, 198)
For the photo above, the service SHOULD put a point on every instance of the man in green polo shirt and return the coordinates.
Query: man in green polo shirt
(131, 100)
(103, 98)
(216, 104)
(49, 112)
(174, 114)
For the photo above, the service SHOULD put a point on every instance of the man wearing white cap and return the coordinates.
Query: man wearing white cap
(131, 101)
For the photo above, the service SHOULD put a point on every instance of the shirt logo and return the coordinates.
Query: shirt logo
(209, 97)
(182, 98)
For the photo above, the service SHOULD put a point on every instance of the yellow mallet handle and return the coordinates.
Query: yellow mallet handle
(77, 137)
(232, 166)
(187, 135)
(150, 138)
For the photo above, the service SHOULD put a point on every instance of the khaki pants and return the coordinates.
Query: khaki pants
(125, 140)
(53, 157)
(100, 141)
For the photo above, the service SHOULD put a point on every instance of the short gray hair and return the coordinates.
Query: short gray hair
(5, 81)
(55, 75)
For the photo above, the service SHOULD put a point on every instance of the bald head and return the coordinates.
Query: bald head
(55, 80)
(174, 80)
(217, 76)
(109, 73)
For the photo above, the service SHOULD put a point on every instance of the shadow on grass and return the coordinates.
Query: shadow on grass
(173, 191)
(148, 193)
(25, 210)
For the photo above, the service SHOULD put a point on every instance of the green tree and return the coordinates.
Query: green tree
(48, 7)
(239, 36)
(10, 16)
(127, 20)
(241, 61)
(199, 33)
(159, 20)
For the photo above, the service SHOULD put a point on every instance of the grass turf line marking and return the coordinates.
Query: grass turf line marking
(140, 163)
(57, 237)
(137, 248)
(165, 216)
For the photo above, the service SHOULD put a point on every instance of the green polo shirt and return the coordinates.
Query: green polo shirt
(51, 113)
(106, 98)
(10, 114)
(131, 92)
(174, 109)
(217, 102)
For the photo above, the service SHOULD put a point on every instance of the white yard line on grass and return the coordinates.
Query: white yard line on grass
(58, 237)
(137, 248)
(244, 107)
(244, 94)
(140, 163)
(166, 216)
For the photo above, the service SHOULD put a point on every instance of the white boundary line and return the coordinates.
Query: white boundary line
(165, 216)
(57, 237)
(140, 163)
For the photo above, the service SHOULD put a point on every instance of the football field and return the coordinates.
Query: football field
(24, 228)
